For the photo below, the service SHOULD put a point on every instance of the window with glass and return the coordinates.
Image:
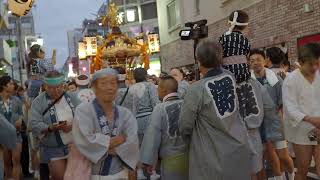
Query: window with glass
(131, 1)
(144, 1)
(132, 14)
(149, 11)
(172, 14)
(26, 20)
(12, 20)
(118, 2)
(197, 6)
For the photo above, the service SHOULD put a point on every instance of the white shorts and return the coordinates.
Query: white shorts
(123, 175)
(59, 158)
(280, 144)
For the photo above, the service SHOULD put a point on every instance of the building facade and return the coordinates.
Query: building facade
(272, 22)
(5, 53)
(74, 36)
(17, 35)
(137, 17)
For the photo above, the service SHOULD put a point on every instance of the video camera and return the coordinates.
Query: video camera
(198, 30)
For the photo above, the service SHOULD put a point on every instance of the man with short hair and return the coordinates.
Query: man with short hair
(301, 102)
(162, 137)
(276, 146)
(11, 109)
(210, 119)
(183, 85)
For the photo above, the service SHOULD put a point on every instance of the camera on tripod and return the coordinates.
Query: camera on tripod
(197, 30)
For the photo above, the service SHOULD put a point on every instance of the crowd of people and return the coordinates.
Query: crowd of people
(250, 111)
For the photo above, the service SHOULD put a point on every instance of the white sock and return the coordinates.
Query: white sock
(291, 176)
(278, 178)
(140, 174)
(284, 177)
(36, 174)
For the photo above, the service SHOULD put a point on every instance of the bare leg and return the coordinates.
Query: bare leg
(254, 177)
(7, 156)
(57, 169)
(303, 158)
(316, 156)
(132, 175)
(16, 156)
(34, 160)
(285, 160)
(261, 175)
(273, 159)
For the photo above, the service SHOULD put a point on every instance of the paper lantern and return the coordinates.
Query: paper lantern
(82, 53)
(154, 43)
(20, 7)
(91, 45)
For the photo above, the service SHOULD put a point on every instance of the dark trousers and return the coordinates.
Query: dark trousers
(25, 155)
(44, 172)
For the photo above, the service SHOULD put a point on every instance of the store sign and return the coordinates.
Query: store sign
(20, 7)
(90, 45)
(314, 38)
(154, 43)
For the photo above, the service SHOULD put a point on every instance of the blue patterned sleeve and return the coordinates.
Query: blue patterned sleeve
(46, 65)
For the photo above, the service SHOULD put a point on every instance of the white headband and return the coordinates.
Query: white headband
(234, 23)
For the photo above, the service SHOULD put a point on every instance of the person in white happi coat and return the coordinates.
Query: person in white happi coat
(301, 101)
(105, 133)
(162, 138)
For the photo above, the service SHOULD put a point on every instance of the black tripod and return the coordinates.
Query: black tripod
(196, 65)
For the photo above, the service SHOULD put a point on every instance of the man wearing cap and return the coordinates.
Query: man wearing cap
(51, 116)
(85, 94)
(106, 133)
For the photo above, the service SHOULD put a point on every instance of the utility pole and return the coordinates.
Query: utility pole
(20, 47)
